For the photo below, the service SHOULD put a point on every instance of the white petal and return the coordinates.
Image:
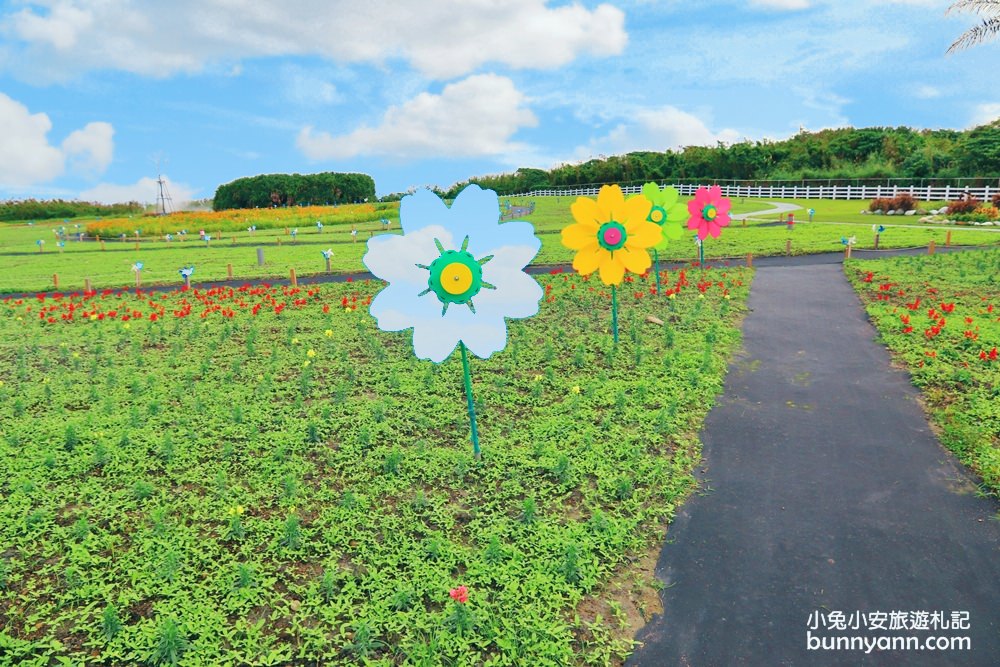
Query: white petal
(516, 295)
(421, 209)
(434, 342)
(486, 337)
(394, 258)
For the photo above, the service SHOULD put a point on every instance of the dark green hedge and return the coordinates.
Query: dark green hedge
(269, 190)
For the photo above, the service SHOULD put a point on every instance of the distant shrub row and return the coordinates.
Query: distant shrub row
(901, 202)
(53, 209)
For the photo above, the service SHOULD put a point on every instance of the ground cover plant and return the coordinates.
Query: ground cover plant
(256, 475)
(24, 267)
(940, 316)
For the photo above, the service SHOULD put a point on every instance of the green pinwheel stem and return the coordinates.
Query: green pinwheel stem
(656, 269)
(470, 403)
(614, 313)
(701, 255)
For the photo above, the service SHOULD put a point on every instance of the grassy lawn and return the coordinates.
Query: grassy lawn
(940, 316)
(24, 268)
(259, 476)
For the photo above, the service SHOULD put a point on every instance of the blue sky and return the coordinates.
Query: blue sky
(94, 92)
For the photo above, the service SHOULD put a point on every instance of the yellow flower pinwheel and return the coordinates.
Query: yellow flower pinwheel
(611, 234)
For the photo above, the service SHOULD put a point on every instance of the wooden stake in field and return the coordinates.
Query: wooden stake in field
(749, 260)
(86, 284)
(947, 238)
(930, 247)
(102, 245)
(260, 257)
(55, 280)
(292, 278)
(788, 246)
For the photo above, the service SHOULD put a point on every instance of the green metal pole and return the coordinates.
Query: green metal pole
(470, 403)
(701, 255)
(614, 313)
(656, 267)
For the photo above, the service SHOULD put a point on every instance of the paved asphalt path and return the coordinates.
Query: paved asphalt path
(823, 489)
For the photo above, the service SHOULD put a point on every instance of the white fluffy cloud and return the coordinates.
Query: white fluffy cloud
(91, 148)
(780, 4)
(26, 156)
(985, 113)
(665, 128)
(442, 39)
(144, 191)
(473, 117)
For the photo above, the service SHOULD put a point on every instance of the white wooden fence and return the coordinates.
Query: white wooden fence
(921, 193)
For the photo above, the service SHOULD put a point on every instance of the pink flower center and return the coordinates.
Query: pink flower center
(612, 236)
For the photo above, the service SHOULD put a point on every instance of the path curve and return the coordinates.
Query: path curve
(778, 207)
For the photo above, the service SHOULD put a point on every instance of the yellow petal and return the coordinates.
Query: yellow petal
(611, 201)
(636, 261)
(588, 259)
(643, 235)
(579, 236)
(612, 270)
(636, 211)
(586, 212)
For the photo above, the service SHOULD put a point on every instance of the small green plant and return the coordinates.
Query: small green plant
(170, 643)
(291, 534)
(111, 623)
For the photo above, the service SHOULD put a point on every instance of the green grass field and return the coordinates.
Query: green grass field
(940, 316)
(233, 485)
(24, 268)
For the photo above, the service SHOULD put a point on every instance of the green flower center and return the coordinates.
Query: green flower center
(612, 235)
(658, 215)
(456, 276)
(709, 212)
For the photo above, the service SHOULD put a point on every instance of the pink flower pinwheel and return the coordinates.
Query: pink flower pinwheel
(709, 212)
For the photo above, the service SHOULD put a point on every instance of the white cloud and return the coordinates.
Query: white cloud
(442, 39)
(927, 92)
(308, 89)
(665, 128)
(144, 191)
(26, 156)
(91, 148)
(780, 4)
(985, 113)
(473, 117)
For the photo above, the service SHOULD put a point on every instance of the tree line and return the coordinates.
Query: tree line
(843, 154)
(269, 190)
(53, 209)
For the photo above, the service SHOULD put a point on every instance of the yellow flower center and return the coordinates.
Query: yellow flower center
(456, 278)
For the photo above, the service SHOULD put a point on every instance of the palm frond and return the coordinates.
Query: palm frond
(988, 29)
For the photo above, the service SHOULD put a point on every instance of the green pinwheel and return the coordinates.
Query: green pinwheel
(667, 212)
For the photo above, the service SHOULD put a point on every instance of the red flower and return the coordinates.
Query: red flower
(868, 278)
(460, 594)
(908, 330)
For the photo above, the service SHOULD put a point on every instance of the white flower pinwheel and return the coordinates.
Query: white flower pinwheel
(454, 274)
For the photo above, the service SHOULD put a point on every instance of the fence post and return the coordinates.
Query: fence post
(947, 238)
(930, 247)
(292, 278)
(750, 260)
(55, 280)
(86, 284)
(229, 271)
(788, 247)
